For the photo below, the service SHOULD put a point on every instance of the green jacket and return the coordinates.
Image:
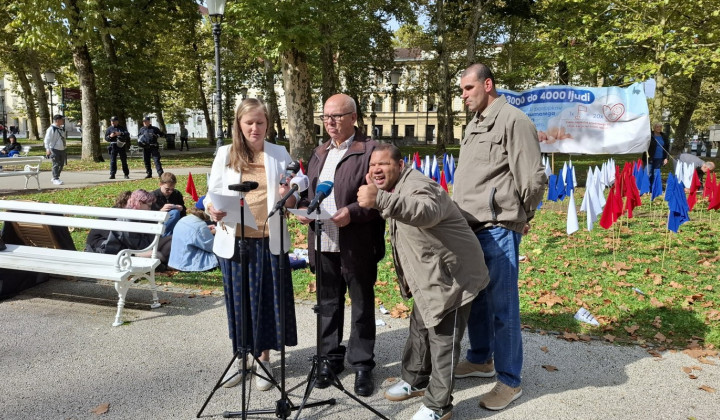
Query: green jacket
(438, 260)
(499, 180)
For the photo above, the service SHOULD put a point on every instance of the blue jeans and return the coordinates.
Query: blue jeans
(171, 222)
(494, 322)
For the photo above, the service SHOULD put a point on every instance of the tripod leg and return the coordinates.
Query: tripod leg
(220, 382)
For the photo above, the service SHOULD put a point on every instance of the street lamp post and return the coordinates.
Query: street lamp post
(3, 118)
(394, 81)
(50, 79)
(216, 10)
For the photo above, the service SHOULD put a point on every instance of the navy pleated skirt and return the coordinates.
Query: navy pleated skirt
(264, 297)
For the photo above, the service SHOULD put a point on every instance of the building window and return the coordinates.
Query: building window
(409, 132)
(377, 104)
(410, 101)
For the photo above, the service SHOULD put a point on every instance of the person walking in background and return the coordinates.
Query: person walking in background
(499, 182)
(427, 232)
(352, 244)
(251, 158)
(148, 141)
(55, 144)
(168, 199)
(657, 153)
(118, 137)
(184, 138)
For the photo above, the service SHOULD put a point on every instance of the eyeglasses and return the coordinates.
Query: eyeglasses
(335, 117)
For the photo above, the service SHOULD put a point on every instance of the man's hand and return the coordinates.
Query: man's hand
(342, 217)
(302, 219)
(526, 229)
(367, 194)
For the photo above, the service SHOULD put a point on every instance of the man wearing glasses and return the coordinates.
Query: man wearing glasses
(352, 243)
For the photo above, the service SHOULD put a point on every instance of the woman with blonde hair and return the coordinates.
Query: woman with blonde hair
(251, 158)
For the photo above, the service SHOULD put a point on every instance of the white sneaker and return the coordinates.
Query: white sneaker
(57, 181)
(234, 376)
(425, 413)
(402, 391)
(261, 383)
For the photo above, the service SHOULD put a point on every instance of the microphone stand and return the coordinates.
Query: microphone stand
(243, 351)
(318, 360)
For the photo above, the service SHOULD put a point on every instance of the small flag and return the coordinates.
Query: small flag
(190, 188)
(572, 220)
(443, 183)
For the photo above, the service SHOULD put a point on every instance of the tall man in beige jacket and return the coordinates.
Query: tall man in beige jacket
(499, 182)
(438, 262)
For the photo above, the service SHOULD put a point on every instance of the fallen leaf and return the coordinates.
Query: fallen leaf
(103, 408)
(660, 337)
(585, 338)
(687, 369)
(654, 353)
(310, 287)
(692, 376)
(569, 336)
(631, 329)
(551, 368)
(706, 361)
(206, 292)
(707, 388)
(656, 303)
(609, 337)
(544, 348)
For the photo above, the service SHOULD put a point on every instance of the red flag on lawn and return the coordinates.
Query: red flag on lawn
(632, 195)
(608, 216)
(692, 195)
(715, 201)
(190, 188)
(443, 183)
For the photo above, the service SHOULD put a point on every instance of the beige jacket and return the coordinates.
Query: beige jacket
(500, 179)
(438, 259)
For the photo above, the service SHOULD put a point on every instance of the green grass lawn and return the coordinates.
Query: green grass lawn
(644, 285)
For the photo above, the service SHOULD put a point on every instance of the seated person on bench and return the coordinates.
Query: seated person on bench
(96, 238)
(13, 148)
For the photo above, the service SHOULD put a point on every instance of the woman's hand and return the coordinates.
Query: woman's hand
(216, 215)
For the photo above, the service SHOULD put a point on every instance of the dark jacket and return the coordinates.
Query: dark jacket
(123, 136)
(653, 145)
(150, 135)
(362, 240)
(175, 198)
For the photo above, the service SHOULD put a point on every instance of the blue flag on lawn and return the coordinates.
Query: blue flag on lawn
(644, 182)
(552, 192)
(560, 187)
(657, 185)
(677, 204)
(569, 181)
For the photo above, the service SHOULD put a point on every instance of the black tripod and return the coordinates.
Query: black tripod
(283, 406)
(318, 360)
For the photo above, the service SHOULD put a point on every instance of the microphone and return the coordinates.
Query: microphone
(321, 192)
(243, 186)
(290, 171)
(299, 183)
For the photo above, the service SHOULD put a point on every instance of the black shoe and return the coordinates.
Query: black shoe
(324, 378)
(127, 176)
(148, 176)
(364, 386)
(112, 176)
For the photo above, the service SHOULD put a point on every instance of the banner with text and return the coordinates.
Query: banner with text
(587, 120)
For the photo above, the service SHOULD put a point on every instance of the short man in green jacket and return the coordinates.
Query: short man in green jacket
(438, 261)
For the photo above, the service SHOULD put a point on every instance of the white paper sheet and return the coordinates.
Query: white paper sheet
(231, 205)
(303, 212)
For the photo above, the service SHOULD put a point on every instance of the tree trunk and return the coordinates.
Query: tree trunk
(298, 101)
(445, 113)
(40, 94)
(693, 96)
(563, 73)
(204, 105)
(271, 100)
(117, 107)
(29, 98)
(159, 113)
(90, 122)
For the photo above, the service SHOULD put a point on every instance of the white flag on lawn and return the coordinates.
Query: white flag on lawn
(572, 220)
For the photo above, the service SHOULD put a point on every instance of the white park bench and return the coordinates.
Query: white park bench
(27, 166)
(124, 269)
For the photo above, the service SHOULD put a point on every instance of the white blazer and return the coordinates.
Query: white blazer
(277, 159)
